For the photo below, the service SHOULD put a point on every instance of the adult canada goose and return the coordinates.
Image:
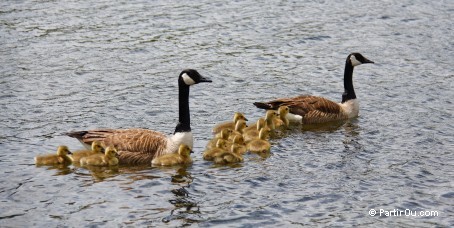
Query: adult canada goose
(53, 159)
(230, 124)
(227, 157)
(140, 146)
(312, 109)
(182, 157)
(107, 159)
(96, 148)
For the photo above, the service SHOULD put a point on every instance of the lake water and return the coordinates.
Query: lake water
(76, 65)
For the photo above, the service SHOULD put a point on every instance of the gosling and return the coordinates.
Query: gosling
(260, 145)
(224, 134)
(230, 124)
(221, 146)
(181, 158)
(107, 159)
(96, 148)
(54, 159)
(232, 156)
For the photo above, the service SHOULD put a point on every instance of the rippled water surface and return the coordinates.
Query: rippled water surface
(76, 65)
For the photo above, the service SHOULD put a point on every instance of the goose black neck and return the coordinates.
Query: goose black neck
(349, 91)
(184, 120)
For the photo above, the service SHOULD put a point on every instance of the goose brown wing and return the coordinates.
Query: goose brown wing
(313, 109)
(132, 140)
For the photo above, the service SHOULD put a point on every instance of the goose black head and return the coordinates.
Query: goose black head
(191, 77)
(356, 59)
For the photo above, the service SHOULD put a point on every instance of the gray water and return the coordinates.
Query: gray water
(76, 65)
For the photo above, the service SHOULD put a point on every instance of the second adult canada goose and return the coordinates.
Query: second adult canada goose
(312, 109)
(140, 146)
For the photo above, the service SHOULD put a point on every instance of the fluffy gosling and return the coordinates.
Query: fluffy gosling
(53, 159)
(107, 159)
(230, 124)
(96, 148)
(180, 158)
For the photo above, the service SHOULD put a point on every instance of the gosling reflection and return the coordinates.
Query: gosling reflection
(182, 199)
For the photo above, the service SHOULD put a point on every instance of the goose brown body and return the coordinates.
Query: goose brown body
(312, 109)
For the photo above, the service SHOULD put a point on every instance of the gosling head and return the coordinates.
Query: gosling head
(191, 77)
(63, 151)
(240, 125)
(356, 59)
(283, 110)
(225, 133)
(221, 143)
(97, 147)
(184, 150)
(270, 114)
(111, 152)
(239, 116)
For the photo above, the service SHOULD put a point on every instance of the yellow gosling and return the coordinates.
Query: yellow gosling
(239, 142)
(240, 125)
(254, 133)
(281, 121)
(260, 145)
(232, 156)
(230, 124)
(224, 134)
(182, 157)
(257, 125)
(96, 148)
(107, 159)
(53, 159)
(221, 146)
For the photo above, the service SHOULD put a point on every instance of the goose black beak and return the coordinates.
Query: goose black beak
(191, 151)
(69, 152)
(204, 79)
(367, 61)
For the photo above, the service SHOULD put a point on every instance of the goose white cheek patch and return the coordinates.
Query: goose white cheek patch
(354, 61)
(188, 80)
